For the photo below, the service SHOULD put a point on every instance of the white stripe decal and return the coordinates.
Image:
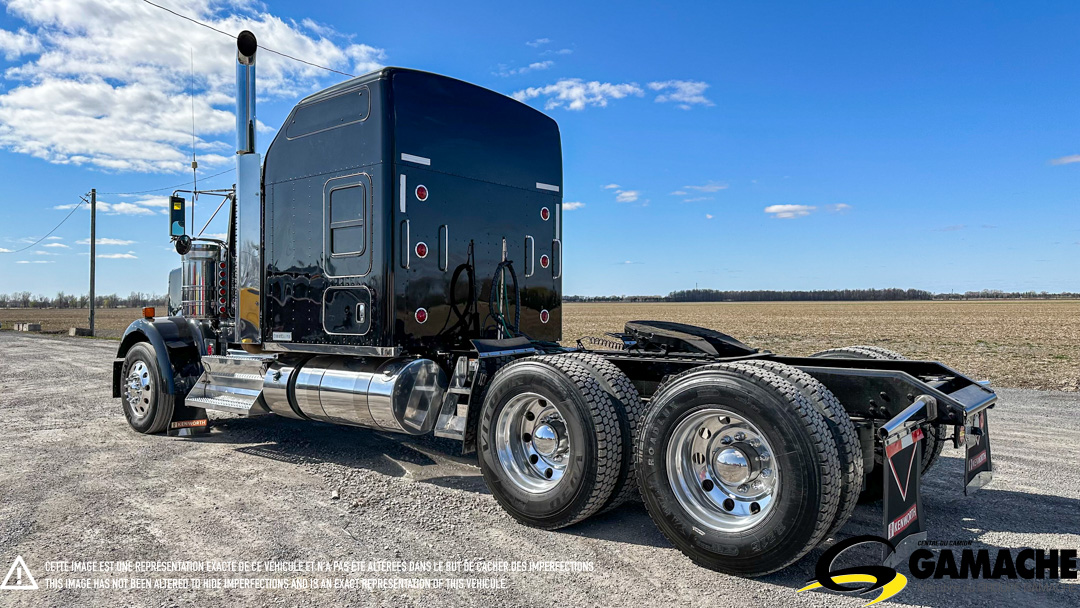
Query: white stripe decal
(420, 160)
(547, 187)
(403, 190)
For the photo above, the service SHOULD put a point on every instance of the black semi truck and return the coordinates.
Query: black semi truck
(396, 264)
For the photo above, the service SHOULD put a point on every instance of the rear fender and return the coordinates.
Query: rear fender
(178, 343)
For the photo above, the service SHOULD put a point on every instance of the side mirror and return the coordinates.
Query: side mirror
(176, 216)
(183, 244)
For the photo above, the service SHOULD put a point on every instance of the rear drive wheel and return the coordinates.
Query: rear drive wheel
(147, 406)
(849, 449)
(630, 410)
(934, 433)
(550, 442)
(738, 469)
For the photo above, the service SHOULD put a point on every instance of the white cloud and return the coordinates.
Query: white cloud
(789, 212)
(708, 187)
(107, 86)
(838, 208)
(1066, 160)
(45, 253)
(538, 42)
(612, 187)
(54, 244)
(626, 196)
(708, 216)
(576, 94)
(36, 262)
(54, 238)
(15, 44)
(684, 93)
(570, 206)
(118, 256)
(144, 205)
(538, 65)
(696, 199)
(2, 250)
(105, 241)
(556, 52)
(679, 193)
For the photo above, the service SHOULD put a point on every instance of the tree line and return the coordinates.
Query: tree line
(826, 295)
(136, 299)
(25, 299)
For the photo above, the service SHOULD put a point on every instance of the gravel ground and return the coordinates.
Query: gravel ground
(77, 485)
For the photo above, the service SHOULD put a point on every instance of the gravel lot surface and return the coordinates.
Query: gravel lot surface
(77, 485)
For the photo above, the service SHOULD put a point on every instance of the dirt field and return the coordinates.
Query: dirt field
(1024, 344)
(78, 485)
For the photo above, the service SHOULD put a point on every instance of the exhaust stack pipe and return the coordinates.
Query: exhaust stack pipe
(246, 45)
(247, 302)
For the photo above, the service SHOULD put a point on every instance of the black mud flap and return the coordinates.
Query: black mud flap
(978, 468)
(903, 514)
(188, 422)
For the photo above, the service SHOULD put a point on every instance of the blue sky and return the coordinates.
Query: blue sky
(724, 145)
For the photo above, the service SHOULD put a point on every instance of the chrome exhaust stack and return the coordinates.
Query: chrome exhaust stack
(247, 304)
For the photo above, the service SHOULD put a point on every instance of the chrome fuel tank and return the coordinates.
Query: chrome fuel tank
(398, 395)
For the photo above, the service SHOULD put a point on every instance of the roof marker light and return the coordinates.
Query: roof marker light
(421, 193)
(421, 315)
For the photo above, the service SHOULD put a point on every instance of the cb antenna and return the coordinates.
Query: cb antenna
(194, 162)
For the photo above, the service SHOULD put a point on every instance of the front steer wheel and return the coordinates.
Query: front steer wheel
(550, 441)
(738, 469)
(147, 406)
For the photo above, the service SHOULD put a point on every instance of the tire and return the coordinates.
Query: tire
(147, 406)
(848, 446)
(630, 410)
(795, 440)
(589, 421)
(934, 433)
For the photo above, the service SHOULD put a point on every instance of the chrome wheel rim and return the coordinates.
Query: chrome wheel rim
(722, 470)
(532, 443)
(139, 390)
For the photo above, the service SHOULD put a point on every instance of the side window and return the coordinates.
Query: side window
(347, 221)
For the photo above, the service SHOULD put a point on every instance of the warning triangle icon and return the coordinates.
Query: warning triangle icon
(18, 576)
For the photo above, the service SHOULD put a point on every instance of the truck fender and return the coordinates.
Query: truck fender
(178, 343)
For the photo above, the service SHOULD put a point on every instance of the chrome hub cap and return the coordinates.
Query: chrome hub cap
(721, 470)
(532, 443)
(138, 390)
(732, 466)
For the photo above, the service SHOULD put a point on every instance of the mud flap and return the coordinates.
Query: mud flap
(978, 468)
(903, 521)
(188, 422)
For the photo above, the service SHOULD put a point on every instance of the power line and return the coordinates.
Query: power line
(269, 50)
(48, 234)
(166, 187)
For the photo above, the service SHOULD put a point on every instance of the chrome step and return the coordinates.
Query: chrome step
(231, 383)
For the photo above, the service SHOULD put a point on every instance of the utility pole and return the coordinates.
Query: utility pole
(93, 252)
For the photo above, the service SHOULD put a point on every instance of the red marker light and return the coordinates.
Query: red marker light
(222, 310)
(222, 292)
(421, 315)
(544, 261)
(545, 214)
(421, 250)
(421, 193)
(545, 316)
(223, 265)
